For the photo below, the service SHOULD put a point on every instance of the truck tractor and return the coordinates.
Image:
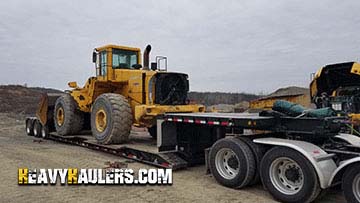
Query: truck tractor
(123, 93)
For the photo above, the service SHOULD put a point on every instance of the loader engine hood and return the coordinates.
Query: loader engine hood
(334, 76)
(171, 88)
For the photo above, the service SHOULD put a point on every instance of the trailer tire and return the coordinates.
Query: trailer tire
(153, 131)
(37, 128)
(231, 151)
(30, 127)
(289, 176)
(111, 119)
(68, 119)
(258, 151)
(44, 132)
(351, 184)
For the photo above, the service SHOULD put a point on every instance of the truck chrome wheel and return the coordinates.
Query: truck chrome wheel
(227, 163)
(356, 187)
(286, 175)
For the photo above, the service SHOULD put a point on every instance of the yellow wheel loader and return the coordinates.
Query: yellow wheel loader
(123, 93)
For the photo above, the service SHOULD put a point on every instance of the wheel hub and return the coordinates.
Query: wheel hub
(60, 117)
(227, 163)
(233, 163)
(286, 175)
(292, 173)
(100, 120)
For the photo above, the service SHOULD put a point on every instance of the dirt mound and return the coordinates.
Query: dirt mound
(289, 91)
(20, 99)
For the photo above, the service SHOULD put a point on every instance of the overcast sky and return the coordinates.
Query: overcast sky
(231, 46)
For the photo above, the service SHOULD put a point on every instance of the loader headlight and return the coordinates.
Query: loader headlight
(337, 106)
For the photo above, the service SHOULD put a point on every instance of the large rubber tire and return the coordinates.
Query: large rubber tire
(73, 118)
(37, 128)
(258, 151)
(231, 151)
(29, 127)
(153, 131)
(351, 184)
(118, 119)
(307, 187)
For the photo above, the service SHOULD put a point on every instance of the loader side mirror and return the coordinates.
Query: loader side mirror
(73, 85)
(94, 57)
(153, 66)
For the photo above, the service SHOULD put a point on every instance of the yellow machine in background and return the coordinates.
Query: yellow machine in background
(338, 86)
(296, 95)
(123, 93)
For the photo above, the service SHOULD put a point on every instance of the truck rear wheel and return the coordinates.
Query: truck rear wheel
(68, 118)
(111, 119)
(289, 176)
(232, 163)
(351, 183)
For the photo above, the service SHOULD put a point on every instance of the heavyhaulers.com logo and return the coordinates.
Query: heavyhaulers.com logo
(74, 176)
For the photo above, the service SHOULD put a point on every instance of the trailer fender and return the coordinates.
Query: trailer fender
(351, 139)
(339, 172)
(322, 162)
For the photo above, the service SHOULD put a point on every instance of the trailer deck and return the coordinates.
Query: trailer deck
(141, 148)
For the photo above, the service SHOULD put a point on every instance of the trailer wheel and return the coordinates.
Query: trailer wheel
(153, 131)
(30, 127)
(289, 176)
(258, 151)
(111, 119)
(44, 132)
(37, 128)
(232, 163)
(68, 118)
(351, 183)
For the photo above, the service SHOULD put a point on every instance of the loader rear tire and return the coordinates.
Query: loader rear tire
(68, 118)
(111, 119)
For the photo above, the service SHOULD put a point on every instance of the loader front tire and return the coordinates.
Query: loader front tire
(111, 119)
(68, 118)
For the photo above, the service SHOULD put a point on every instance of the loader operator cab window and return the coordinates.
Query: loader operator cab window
(103, 61)
(124, 59)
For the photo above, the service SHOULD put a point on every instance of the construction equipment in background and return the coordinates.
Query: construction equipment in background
(296, 95)
(122, 93)
(338, 86)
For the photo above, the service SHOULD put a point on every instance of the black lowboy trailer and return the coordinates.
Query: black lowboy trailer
(296, 158)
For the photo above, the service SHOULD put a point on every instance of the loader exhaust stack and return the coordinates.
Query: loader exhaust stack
(146, 57)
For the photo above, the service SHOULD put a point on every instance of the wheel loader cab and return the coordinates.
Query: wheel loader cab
(110, 58)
